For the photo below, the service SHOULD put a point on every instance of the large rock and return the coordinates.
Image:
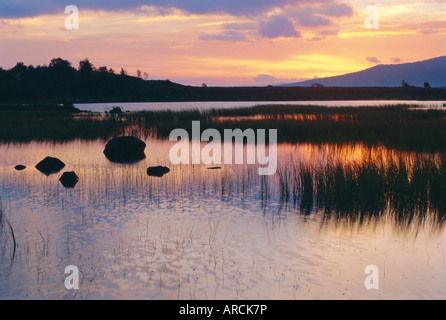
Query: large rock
(50, 165)
(158, 171)
(69, 179)
(20, 167)
(125, 150)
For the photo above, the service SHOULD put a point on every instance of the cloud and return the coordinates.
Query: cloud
(329, 32)
(235, 32)
(25, 8)
(372, 60)
(429, 31)
(335, 10)
(314, 21)
(233, 7)
(319, 14)
(309, 18)
(397, 60)
(322, 35)
(278, 26)
(228, 35)
(240, 26)
(10, 27)
(265, 78)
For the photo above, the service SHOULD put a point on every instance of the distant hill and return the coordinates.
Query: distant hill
(432, 71)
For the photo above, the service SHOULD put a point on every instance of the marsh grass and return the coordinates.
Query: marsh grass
(5, 230)
(355, 192)
(409, 193)
(305, 189)
(403, 127)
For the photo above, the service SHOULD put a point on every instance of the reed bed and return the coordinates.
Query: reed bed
(407, 192)
(403, 127)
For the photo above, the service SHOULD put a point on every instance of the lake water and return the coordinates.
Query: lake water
(217, 234)
(141, 106)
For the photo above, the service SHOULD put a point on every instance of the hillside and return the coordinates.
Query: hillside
(432, 71)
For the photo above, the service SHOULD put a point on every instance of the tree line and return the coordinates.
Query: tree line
(59, 80)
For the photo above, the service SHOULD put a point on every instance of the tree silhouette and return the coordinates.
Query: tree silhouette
(61, 67)
(18, 70)
(59, 63)
(86, 66)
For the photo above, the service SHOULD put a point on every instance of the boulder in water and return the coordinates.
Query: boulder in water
(50, 165)
(158, 171)
(69, 179)
(125, 149)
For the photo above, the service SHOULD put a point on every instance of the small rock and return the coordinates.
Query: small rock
(116, 110)
(69, 179)
(158, 171)
(20, 167)
(50, 165)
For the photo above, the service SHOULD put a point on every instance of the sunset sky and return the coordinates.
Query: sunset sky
(223, 42)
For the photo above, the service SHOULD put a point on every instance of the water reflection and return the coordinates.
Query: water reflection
(141, 106)
(351, 183)
(228, 233)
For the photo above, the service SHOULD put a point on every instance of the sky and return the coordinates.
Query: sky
(224, 42)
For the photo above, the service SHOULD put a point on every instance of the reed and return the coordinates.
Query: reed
(403, 127)
(361, 192)
(4, 222)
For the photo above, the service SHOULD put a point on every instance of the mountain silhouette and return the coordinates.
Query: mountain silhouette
(416, 74)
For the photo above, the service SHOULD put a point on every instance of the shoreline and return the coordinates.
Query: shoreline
(242, 94)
